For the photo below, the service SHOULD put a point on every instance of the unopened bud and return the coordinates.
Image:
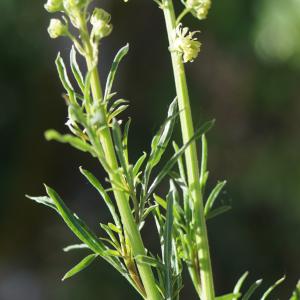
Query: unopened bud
(54, 5)
(73, 9)
(100, 21)
(79, 4)
(199, 8)
(57, 28)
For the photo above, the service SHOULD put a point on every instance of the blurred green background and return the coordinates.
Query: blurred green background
(247, 77)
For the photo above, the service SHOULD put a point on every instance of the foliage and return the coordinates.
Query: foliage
(94, 120)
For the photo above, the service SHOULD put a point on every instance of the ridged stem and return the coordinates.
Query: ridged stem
(191, 159)
(130, 227)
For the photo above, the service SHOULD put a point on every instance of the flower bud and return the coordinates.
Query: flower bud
(199, 8)
(57, 28)
(54, 5)
(78, 4)
(185, 44)
(100, 21)
(73, 9)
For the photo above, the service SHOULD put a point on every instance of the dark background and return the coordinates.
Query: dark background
(247, 77)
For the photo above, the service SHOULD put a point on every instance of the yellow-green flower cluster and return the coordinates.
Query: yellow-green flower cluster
(57, 28)
(76, 11)
(185, 43)
(199, 8)
(53, 6)
(101, 24)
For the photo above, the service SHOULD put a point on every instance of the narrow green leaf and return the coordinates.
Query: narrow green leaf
(116, 112)
(148, 211)
(239, 284)
(117, 137)
(43, 200)
(125, 140)
(75, 247)
(138, 164)
(75, 224)
(168, 242)
(114, 228)
(109, 241)
(213, 196)
(160, 201)
(87, 88)
(217, 211)
(97, 185)
(62, 72)
(69, 139)
(203, 171)
(111, 252)
(150, 261)
(75, 69)
(296, 293)
(252, 289)
(80, 229)
(110, 233)
(180, 164)
(75, 111)
(229, 296)
(111, 76)
(161, 140)
(169, 165)
(271, 288)
(117, 103)
(80, 266)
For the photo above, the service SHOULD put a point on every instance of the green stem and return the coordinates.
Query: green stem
(207, 286)
(182, 15)
(127, 218)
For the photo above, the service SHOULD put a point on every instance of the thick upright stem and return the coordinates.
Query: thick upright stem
(207, 286)
(127, 218)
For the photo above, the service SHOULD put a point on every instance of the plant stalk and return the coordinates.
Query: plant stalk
(130, 227)
(192, 167)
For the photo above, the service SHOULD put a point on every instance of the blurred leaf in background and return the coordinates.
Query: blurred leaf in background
(277, 32)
